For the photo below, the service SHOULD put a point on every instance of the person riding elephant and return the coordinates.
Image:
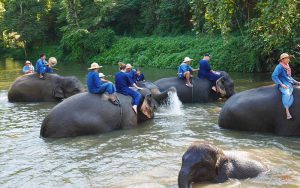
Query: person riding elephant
(260, 109)
(205, 71)
(96, 86)
(201, 91)
(29, 88)
(282, 76)
(86, 113)
(205, 162)
(185, 71)
(42, 67)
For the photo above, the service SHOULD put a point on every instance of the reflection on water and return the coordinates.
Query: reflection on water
(148, 156)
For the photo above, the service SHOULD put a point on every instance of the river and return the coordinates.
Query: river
(148, 156)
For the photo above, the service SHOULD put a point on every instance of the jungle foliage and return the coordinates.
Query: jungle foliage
(242, 35)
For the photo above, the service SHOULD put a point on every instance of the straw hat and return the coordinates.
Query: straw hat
(95, 66)
(284, 55)
(101, 75)
(128, 66)
(27, 62)
(52, 61)
(186, 59)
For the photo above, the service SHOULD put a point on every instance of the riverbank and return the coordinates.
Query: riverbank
(162, 52)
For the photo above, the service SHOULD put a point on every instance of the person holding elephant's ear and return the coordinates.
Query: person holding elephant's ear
(185, 71)
(282, 76)
(123, 82)
(96, 86)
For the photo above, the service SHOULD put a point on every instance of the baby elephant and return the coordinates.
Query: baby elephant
(205, 162)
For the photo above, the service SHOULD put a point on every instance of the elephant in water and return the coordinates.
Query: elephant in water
(29, 88)
(87, 113)
(205, 162)
(261, 109)
(201, 92)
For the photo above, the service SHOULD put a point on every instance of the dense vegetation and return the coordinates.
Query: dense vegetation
(242, 35)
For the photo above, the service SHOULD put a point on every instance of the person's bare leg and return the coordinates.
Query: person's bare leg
(188, 77)
(288, 114)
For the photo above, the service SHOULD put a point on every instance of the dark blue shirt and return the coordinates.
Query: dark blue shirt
(131, 74)
(123, 82)
(204, 69)
(139, 78)
(93, 82)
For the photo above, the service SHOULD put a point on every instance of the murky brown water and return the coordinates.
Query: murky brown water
(149, 156)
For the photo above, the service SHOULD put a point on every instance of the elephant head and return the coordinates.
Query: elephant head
(199, 163)
(146, 109)
(225, 85)
(155, 92)
(66, 87)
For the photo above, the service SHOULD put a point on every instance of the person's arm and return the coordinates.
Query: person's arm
(275, 77)
(131, 82)
(97, 80)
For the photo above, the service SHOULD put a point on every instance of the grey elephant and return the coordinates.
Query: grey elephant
(29, 88)
(87, 113)
(201, 92)
(205, 162)
(261, 109)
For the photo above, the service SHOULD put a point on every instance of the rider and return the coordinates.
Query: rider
(123, 82)
(206, 71)
(28, 68)
(42, 67)
(185, 71)
(139, 76)
(96, 86)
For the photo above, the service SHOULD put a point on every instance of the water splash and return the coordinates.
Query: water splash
(173, 105)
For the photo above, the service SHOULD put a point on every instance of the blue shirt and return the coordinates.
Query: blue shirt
(138, 78)
(28, 68)
(280, 76)
(183, 68)
(123, 82)
(93, 82)
(40, 66)
(131, 74)
(204, 69)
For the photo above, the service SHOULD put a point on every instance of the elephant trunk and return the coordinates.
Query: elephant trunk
(184, 179)
(160, 97)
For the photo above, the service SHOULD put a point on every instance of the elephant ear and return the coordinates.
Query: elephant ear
(146, 109)
(220, 86)
(58, 92)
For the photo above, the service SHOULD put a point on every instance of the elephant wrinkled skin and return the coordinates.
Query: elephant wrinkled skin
(201, 92)
(29, 88)
(205, 162)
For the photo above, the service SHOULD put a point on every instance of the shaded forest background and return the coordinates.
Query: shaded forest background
(241, 35)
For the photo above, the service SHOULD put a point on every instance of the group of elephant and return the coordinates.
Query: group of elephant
(82, 113)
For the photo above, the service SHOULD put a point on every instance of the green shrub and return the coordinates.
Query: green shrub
(169, 52)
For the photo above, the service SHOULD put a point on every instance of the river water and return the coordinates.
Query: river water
(148, 156)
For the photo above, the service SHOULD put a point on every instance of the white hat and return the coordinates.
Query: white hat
(52, 61)
(128, 66)
(186, 59)
(27, 62)
(95, 66)
(101, 75)
(284, 55)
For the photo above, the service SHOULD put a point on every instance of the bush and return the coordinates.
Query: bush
(169, 52)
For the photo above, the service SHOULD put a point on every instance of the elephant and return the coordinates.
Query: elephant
(205, 162)
(29, 88)
(261, 109)
(86, 113)
(201, 91)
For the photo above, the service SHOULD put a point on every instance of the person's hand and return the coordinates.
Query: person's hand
(140, 88)
(298, 83)
(284, 86)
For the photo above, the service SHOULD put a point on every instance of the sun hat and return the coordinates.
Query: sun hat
(101, 75)
(52, 61)
(128, 66)
(186, 59)
(284, 55)
(27, 62)
(95, 66)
